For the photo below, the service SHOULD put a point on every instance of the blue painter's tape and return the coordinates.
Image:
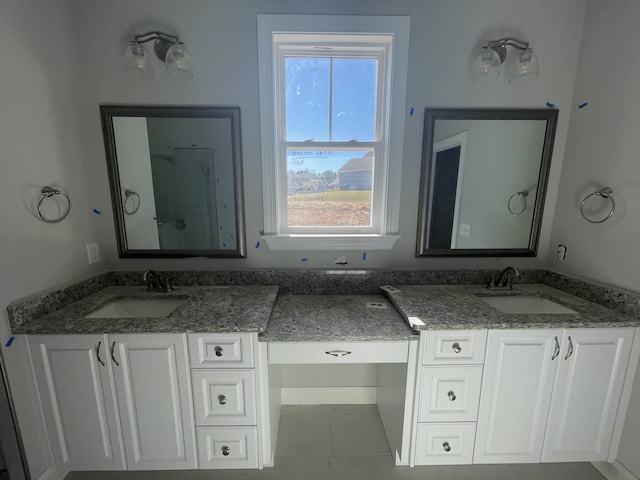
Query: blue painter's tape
(9, 342)
(155, 218)
(97, 212)
(224, 244)
(257, 244)
(304, 259)
(364, 255)
(550, 105)
(220, 227)
(411, 112)
(582, 105)
(225, 206)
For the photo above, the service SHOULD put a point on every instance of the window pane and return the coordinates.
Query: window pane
(307, 98)
(354, 99)
(329, 188)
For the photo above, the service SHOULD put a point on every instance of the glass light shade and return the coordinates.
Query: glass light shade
(487, 66)
(526, 68)
(178, 62)
(136, 62)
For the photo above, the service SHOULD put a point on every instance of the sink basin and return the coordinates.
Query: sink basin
(138, 308)
(525, 304)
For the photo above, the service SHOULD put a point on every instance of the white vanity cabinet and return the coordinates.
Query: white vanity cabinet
(224, 392)
(116, 401)
(551, 395)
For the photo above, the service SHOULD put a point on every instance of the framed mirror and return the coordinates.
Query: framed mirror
(176, 180)
(483, 181)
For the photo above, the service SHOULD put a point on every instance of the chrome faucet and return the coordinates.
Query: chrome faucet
(505, 279)
(155, 283)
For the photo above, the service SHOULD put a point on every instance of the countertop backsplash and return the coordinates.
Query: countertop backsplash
(316, 282)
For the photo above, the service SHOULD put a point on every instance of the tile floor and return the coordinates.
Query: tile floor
(341, 442)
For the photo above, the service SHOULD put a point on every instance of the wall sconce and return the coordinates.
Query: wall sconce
(487, 66)
(168, 48)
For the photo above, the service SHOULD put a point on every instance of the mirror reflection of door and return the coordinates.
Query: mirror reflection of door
(446, 182)
(184, 190)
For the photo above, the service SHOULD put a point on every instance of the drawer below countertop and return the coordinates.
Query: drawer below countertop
(338, 352)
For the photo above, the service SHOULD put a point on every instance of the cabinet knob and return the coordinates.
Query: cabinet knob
(219, 351)
(452, 396)
(222, 399)
(226, 451)
(456, 347)
(446, 447)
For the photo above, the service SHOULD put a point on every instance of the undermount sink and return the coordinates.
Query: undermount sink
(525, 304)
(138, 308)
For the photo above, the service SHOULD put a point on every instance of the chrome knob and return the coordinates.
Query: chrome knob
(446, 447)
(226, 451)
(222, 399)
(456, 348)
(219, 351)
(452, 396)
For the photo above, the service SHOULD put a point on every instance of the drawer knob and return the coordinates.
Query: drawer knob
(338, 353)
(219, 351)
(446, 447)
(226, 451)
(456, 348)
(452, 396)
(222, 399)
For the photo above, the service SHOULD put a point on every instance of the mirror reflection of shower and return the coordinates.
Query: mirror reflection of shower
(184, 185)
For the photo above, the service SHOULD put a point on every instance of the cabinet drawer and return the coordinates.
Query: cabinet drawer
(224, 397)
(445, 444)
(450, 394)
(339, 352)
(455, 347)
(227, 447)
(226, 350)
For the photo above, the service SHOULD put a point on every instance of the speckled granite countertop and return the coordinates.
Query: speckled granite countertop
(206, 309)
(433, 307)
(308, 318)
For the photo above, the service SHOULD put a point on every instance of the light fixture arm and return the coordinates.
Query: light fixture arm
(500, 46)
(162, 42)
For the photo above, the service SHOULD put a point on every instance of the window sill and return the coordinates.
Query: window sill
(330, 242)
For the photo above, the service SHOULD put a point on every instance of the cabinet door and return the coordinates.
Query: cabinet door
(154, 402)
(518, 379)
(77, 400)
(586, 395)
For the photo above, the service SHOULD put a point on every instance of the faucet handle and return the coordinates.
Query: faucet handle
(167, 284)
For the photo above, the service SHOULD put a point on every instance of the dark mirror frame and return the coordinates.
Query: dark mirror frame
(108, 112)
(430, 117)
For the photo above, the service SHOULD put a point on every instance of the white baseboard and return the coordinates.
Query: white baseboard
(329, 395)
(614, 471)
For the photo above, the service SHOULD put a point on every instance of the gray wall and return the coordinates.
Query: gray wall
(602, 150)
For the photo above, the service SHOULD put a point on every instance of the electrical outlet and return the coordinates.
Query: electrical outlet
(561, 252)
(93, 252)
(340, 260)
(465, 229)
(377, 305)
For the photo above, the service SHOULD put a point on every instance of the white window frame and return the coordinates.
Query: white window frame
(276, 36)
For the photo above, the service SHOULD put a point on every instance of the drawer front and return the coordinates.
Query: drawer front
(450, 394)
(224, 397)
(445, 444)
(225, 350)
(221, 447)
(455, 347)
(339, 352)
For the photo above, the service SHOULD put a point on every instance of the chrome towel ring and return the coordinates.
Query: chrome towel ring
(605, 193)
(136, 204)
(48, 192)
(523, 194)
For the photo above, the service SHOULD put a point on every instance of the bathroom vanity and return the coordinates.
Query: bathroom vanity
(459, 380)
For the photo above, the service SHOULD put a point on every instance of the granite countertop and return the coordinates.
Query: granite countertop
(436, 307)
(206, 309)
(309, 318)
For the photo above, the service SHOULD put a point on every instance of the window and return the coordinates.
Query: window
(327, 110)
